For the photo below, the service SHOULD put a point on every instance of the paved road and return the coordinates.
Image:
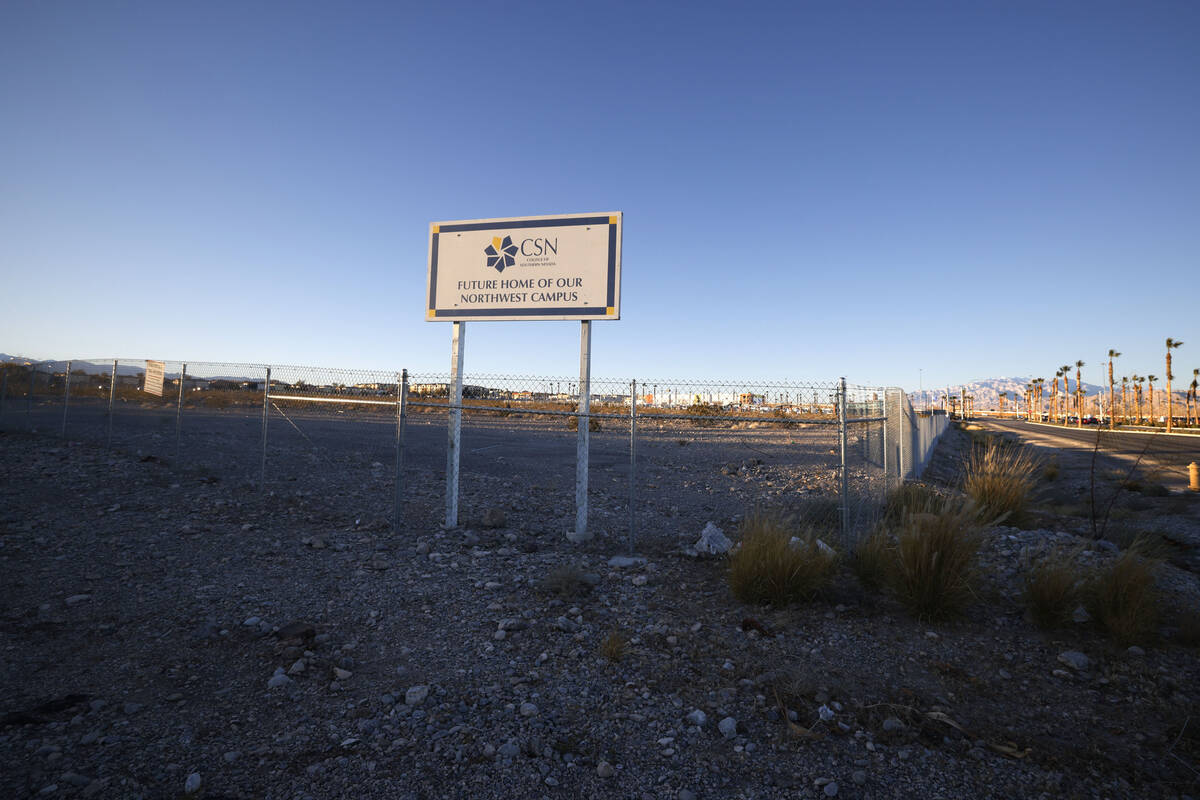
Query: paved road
(1171, 454)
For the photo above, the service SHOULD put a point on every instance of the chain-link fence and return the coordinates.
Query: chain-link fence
(654, 459)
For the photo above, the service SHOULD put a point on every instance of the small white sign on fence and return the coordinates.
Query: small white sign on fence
(154, 378)
(525, 268)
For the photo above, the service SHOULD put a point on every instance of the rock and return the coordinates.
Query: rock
(859, 776)
(132, 708)
(712, 541)
(494, 518)
(1074, 659)
(728, 727)
(75, 779)
(528, 709)
(298, 667)
(232, 756)
(686, 794)
(76, 599)
(604, 769)
(279, 681)
(892, 725)
(697, 718)
(416, 695)
(192, 784)
(422, 548)
(626, 561)
(831, 789)
(252, 622)
(510, 749)
(1135, 652)
(1081, 615)
(828, 551)
(341, 674)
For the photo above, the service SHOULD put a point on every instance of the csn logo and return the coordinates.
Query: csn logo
(502, 253)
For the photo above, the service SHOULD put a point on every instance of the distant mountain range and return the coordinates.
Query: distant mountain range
(105, 368)
(987, 392)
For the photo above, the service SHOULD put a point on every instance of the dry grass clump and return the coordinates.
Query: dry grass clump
(769, 568)
(935, 559)
(912, 498)
(614, 646)
(1051, 471)
(1122, 597)
(1052, 589)
(872, 560)
(999, 478)
(564, 581)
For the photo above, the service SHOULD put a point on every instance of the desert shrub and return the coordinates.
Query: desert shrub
(1122, 597)
(1051, 589)
(593, 424)
(910, 498)
(872, 560)
(769, 568)
(708, 413)
(565, 581)
(614, 646)
(1051, 471)
(935, 559)
(999, 478)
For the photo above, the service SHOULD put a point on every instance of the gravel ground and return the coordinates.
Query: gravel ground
(165, 630)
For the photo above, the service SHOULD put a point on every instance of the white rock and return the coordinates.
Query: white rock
(728, 727)
(712, 540)
(416, 695)
(192, 784)
(1074, 659)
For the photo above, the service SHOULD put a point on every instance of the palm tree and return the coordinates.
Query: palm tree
(1192, 391)
(1112, 395)
(1171, 345)
(1150, 379)
(1054, 393)
(1002, 396)
(1138, 380)
(1124, 402)
(1079, 393)
(1066, 402)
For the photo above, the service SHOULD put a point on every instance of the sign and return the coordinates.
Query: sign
(525, 268)
(154, 378)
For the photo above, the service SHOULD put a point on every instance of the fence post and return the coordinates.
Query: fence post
(179, 407)
(66, 399)
(266, 404)
(887, 477)
(401, 423)
(632, 459)
(845, 486)
(112, 391)
(29, 396)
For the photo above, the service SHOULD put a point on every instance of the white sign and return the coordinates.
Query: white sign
(522, 268)
(154, 378)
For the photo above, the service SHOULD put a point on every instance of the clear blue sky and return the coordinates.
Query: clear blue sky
(810, 189)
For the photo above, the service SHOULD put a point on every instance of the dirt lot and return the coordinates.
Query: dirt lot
(168, 626)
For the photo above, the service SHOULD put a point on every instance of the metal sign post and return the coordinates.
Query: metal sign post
(564, 267)
(841, 413)
(454, 428)
(632, 459)
(581, 534)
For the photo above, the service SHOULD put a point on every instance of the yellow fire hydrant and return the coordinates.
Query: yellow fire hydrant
(1194, 477)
